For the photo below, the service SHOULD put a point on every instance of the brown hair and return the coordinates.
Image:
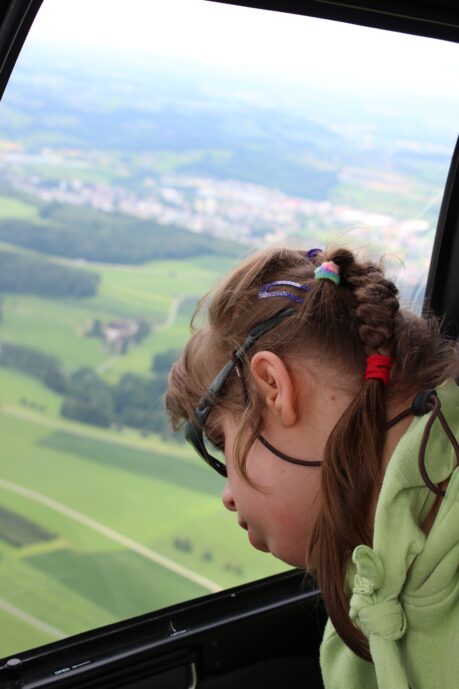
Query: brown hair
(337, 325)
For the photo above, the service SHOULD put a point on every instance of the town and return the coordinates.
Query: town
(251, 214)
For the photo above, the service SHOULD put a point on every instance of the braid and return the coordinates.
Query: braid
(353, 455)
(376, 308)
(376, 302)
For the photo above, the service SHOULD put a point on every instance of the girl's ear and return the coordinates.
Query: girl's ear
(276, 386)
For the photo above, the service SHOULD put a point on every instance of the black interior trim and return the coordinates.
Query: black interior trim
(238, 628)
(442, 291)
(16, 18)
(431, 19)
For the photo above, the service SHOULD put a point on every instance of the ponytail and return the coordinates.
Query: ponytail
(351, 470)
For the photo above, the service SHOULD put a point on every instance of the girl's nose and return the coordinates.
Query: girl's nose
(228, 500)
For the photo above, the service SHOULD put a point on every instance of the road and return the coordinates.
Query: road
(113, 535)
(51, 631)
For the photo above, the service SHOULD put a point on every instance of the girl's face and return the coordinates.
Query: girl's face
(280, 519)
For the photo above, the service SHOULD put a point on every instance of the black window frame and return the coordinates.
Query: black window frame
(229, 629)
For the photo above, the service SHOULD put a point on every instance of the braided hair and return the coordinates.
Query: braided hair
(357, 441)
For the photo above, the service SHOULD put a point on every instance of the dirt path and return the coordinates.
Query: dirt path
(107, 363)
(53, 632)
(171, 316)
(118, 538)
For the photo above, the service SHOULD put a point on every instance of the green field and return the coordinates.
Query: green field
(109, 524)
(19, 531)
(19, 389)
(15, 208)
(86, 576)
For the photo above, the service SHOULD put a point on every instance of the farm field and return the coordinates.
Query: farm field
(89, 496)
(15, 208)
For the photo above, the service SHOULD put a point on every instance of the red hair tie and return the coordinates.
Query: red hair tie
(379, 366)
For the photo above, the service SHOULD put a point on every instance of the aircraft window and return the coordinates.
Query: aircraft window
(143, 149)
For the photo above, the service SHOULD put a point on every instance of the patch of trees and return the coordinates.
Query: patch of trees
(134, 401)
(30, 404)
(235, 569)
(185, 545)
(138, 403)
(163, 361)
(89, 399)
(34, 363)
(28, 275)
(85, 233)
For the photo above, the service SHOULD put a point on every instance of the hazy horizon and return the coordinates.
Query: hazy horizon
(258, 42)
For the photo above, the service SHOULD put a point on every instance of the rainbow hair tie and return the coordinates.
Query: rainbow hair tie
(328, 270)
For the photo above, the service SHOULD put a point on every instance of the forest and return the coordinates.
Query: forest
(85, 233)
(134, 401)
(22, 274)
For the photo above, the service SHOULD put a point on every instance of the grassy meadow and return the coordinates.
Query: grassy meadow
(114, 524)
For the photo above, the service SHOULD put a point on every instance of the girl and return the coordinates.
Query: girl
(322, 394)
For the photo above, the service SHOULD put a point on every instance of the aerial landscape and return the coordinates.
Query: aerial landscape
(126, 191)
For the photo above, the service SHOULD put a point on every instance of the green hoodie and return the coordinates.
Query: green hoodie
(405, 590)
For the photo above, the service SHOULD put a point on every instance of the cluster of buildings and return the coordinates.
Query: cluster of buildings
(231, 209)
(117, 335)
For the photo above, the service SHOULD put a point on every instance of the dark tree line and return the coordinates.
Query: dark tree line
(163, 362)
(109, 238)
(34, 363)
(28, 275)
(88, 399)
(139, 403)
(134, 401)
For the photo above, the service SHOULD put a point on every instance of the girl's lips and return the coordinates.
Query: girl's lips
(244, 525)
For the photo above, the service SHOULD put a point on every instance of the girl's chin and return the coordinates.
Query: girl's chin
(289, 559)
(256, 544)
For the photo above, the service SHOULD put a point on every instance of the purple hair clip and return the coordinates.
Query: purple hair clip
(265, 290)
(312, 253)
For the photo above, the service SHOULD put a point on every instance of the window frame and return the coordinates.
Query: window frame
(236, 627)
